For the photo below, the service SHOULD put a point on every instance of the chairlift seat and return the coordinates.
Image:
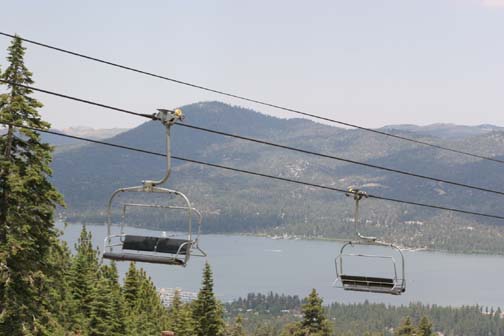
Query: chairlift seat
(148, 258)
(158, 245)
(371, 284)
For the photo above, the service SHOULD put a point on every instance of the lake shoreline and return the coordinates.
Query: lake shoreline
(306, 238)
(246, 263)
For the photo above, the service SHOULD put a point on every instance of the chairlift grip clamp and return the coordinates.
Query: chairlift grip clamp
(147, 185)
(356, 194)
(169, 117)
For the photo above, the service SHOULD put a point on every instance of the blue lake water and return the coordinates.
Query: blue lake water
(244, 264)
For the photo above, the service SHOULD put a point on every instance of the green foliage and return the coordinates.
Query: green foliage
(424, 327)
(314, 322)
(131, 286)
(406, 328)
(180, 317)
(118, 321)
(365, 318)
(101, 309)
(236, 329)
(272, 303)
(84, 274)
(106, 312)
(28, 239)
(266, 328)
(62, 303)
(150, 307)
(207, 312)
(145, 313)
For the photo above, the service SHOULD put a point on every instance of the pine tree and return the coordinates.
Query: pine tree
(150, 307)
(102, 310)
(84, 274)
(207, 313)
(131, 286)
(145, 313)
(266, 329)
(237, 328)
(118, 322)
(314, 322)
(406, 329)
(27, 204)
(62, 302)
(180, 319)
(290, 329)
(130, 293)
(424, 327)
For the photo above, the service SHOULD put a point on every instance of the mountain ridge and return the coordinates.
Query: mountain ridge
(235, 202)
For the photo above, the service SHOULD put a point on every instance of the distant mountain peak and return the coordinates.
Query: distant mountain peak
(95, 133)
(445, 130)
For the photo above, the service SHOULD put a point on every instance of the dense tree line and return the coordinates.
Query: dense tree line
(468, 320)
(441, 232)
(367, 318)
(272, 303)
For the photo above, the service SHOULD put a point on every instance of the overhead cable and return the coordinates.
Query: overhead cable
(256, 101)
(263, 142)
(254, 173)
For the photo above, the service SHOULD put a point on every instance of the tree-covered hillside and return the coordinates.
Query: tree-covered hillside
(268, 314)
(234, 202)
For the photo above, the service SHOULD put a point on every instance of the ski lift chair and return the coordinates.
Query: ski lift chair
(394, 285)
(158, 250)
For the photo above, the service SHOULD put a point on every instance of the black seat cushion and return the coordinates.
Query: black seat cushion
(170, 245)
(155, 244)
(139, 243)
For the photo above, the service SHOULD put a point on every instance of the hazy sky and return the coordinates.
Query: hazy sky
(369, 62)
